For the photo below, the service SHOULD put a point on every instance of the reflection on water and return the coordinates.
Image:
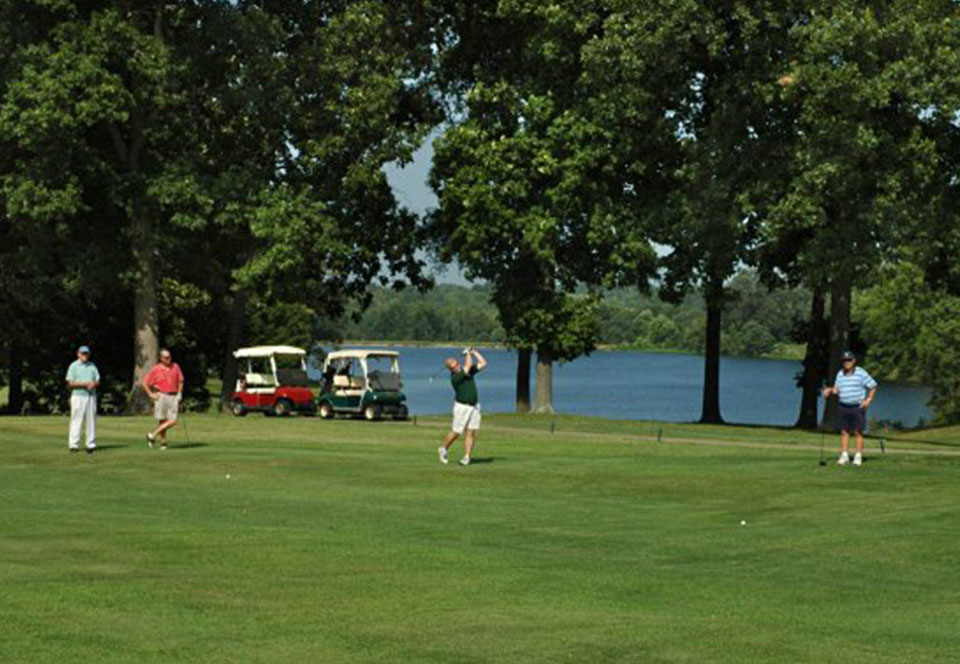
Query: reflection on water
(644, 386)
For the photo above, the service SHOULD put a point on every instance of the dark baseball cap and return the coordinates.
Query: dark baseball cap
(848, 355)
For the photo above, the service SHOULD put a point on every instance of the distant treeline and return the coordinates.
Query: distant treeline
(757, 322)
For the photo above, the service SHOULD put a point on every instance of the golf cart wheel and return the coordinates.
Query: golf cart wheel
(238, 409)
(402, 413)
(326, 411)
(282, 408)
(372, 412)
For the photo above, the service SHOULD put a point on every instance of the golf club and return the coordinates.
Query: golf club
(823, 434)
(183, 421)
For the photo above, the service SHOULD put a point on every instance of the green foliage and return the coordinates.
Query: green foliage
(276, 324)
(862, 160)
(751, 339)
(178, 300)
(660, 332)
(912, 332)
(173, 158)
(523, 178)
(327, 224)
(444, 314)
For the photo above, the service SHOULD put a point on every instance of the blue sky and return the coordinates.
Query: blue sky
(410, 182)
(411, 189)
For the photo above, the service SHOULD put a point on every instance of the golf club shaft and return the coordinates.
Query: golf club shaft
(823, 434)
(186, 432)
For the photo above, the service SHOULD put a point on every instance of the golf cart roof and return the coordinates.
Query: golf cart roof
(267, 351)
(360, 354)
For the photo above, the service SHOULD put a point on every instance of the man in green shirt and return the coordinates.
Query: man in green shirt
(83, 379)
(466, 405)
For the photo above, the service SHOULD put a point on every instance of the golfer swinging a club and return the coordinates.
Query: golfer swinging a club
(856, 389)
(466, 406)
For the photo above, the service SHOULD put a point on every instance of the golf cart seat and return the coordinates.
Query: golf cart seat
(348, 382)
(350, 386)
(258, 380)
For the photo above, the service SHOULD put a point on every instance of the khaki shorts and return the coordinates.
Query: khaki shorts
(166, 407)
(465, 417)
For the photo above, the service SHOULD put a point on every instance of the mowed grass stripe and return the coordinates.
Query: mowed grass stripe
(347, 541)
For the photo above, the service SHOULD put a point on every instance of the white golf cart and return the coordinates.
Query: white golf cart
(362, 382)
(273, 381)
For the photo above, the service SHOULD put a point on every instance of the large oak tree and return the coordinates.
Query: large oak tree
(231, 150)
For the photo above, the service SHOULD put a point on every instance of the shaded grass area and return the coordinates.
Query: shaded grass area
(346, 541)
(944, 437)
(630, 430)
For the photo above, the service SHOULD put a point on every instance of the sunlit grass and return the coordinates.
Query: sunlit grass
(301, 540)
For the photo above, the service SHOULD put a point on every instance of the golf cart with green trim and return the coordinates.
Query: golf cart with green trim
(363, 383)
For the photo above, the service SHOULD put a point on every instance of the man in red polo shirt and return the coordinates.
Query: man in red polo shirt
(164, 384)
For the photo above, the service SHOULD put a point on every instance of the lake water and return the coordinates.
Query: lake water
(634, 385)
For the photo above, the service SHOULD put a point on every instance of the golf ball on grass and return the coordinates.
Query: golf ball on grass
(227, 475)
(742, 522)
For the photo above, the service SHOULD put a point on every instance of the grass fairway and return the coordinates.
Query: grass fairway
(347, 542)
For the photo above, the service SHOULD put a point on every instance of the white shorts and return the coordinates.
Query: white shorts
(465, 417)
(166, 407)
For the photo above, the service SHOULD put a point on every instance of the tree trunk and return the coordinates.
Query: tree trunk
(813, 362)
(710, 412)
(15, 376)
(143, 240)
(146, 337)
(544, 397)
(523, 380)
(236, 325)
(841, 289)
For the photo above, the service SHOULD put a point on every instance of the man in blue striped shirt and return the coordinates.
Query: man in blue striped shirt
(855, 389)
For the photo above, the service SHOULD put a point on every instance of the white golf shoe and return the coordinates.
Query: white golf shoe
(442, 453)
(857, 459)
(465, 461)
(844, 459)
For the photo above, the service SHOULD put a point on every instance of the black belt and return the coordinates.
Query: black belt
(850, 405)
(170, 394)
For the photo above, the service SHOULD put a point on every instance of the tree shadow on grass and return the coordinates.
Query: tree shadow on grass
(936, 443)
(186, 446)
(872, 436)
(113, 446)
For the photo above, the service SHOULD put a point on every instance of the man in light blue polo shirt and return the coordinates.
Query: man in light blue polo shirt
(855, 389)
(83, 379)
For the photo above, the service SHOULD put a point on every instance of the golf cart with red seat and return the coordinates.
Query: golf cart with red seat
(363, 383)
(273, 380)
